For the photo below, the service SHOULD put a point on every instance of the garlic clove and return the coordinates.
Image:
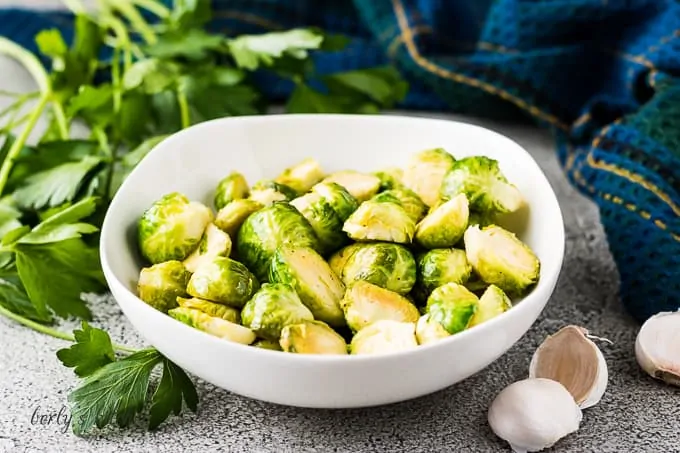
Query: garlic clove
(657, 347)
(533, 414)
(572, 359)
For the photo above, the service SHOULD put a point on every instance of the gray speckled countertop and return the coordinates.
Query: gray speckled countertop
(637, 414)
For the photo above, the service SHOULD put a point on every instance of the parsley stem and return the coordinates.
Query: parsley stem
(60, 116)
(183, 109)
(50, 331)
(137, 21)
(19, 143)
(154, 7)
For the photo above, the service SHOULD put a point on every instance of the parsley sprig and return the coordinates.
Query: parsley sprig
(134, 72)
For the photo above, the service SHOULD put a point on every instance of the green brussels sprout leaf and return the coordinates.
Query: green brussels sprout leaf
(390, 178)
(267, 192)
(365, 303)
(338, 259)
(390, 266)
(453, 306)
(172, 228)
(429, 330)
(302, 176)
(211, 308)
(440, 266)
(215, 326)
(324, 221)
(214, 243)
(407, 199)
(376, 221)
(273, 307)
(501, 259)
(492, 303)
(482, 181)
(384, 337)
(342, 202)
(230, 218)
(361, 186)
(232, 187)
(312, 337)
(424, 172)
(445, 225)
(223, 280)
(312, 278)
(161, 284)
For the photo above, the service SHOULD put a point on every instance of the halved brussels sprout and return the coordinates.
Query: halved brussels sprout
(390, 266)
(445, 225)
(265, 230)
(342, 202)
(429, 330)
(218, 327)
(223, 280)
(338, 259)
(312, 278)
(425, 171)
(232, 187)
(365, 303)
(323, 219)
(272, 308)
(230, 218)
(312, 337)
(383, 337)
(302, 176)
(481, 218)
(453, 306)
(492, 303)
(440, 266)
(161, 284)
(482, 181)
(172, 228)
(215, 243)
(405, 198)
(362, 186)
(211, 308)
(376, 221)
(501, 259)
(390, 178)
(267, 192)
(268, 344)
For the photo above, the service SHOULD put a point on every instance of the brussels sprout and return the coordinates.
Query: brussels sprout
(428, 330)
(230, 218)
(233, 187)
(161, 284)
(383, 337)
(481, 218)
(362, 186)
(312, 337)
(211, 308)
(264, 231)
(323, 219)
(266, 192)
(338, 259)
(453, 306)
(268, 344)
(405, 198)
(390, 266)
(492, 303)
(214, 243)
(425, 171)
(501, 259)
(445, 225)
(223, 280)
(342, 202)
(172, 228)
(272, 308)
(481, 179)
(312, 278)
(376, 221)
(440, 266)
(218, 327)
(390, 178)
(301, 177)
(365, 303)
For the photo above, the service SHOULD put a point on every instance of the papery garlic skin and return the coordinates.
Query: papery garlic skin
(588, 387)
(533, 414)
(657, 347)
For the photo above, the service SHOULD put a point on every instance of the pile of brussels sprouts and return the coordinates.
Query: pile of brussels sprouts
(345, 263)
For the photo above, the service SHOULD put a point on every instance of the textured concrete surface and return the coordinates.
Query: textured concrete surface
(637, 414)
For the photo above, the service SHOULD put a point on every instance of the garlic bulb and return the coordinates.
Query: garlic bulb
(572, 359)
(657, 347)
(533, 414)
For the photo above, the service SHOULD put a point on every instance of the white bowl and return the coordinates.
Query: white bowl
(192, 162)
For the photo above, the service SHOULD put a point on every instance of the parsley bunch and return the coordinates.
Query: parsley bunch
(134, 72)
